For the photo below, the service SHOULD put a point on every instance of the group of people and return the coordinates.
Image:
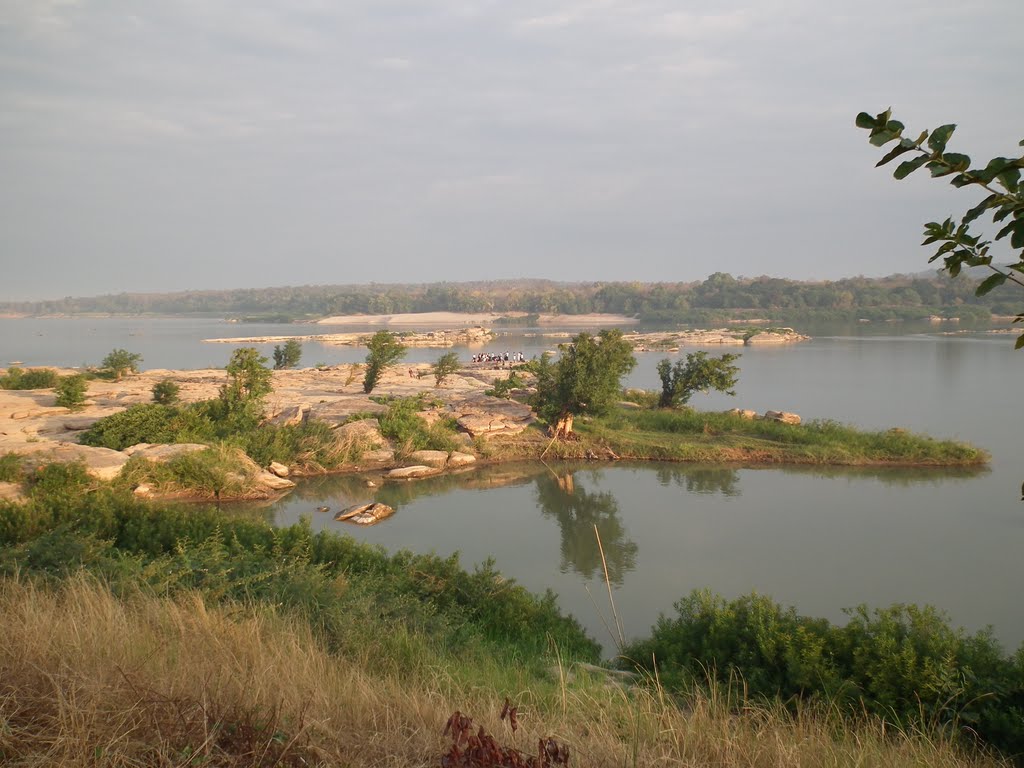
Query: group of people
(489, 357)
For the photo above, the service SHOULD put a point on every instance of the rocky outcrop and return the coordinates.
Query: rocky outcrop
(782, 416)
(289, 416)
(271, 481)
(436, 459)
(484, 415)
(278, 469)
(458, 459)
(743, 413)
(12, 492)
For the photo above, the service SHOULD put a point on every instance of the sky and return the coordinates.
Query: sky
(201, 144)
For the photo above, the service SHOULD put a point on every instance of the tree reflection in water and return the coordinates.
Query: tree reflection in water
(699, 479)
(577, 511)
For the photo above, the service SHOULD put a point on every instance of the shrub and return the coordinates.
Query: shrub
(71, 391)
(35, 378)
(903, 663)
(144, 423)
(166, 392)
(402, 424)
(249, 379)
(503, 387)
(120, 361)
(10, 468)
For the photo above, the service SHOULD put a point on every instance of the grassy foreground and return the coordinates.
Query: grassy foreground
(90, 678)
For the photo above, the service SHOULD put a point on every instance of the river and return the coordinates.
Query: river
(819, 539)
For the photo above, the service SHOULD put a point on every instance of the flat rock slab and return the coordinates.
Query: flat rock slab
(101, 463)
(430, 458)
(161, 452)
(379, 456)
(272, 481)
(409, 473)
(339, 411)
(458, 459)
(11, 492)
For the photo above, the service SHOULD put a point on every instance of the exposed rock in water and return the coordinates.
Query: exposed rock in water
(272, 481)
(365, 514)
(278, 469)
(458, 459)
(412, 472)
(436, 459)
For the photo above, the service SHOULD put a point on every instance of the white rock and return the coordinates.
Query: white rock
(417, 470)
(278, 469)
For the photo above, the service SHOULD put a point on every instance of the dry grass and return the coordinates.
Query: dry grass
(87, 679)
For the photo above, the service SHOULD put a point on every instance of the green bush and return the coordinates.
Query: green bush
(71, 390)
(118, 362)
(402, 424)
(36, 378)
(10, 468)
(287, 356)
(166, 392)
(144, 423)
(903, 663)
(503, 387)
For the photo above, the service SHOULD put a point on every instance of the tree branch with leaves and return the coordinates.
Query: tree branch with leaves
(1004, 201)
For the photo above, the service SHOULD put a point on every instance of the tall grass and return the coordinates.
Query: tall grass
(93, 679)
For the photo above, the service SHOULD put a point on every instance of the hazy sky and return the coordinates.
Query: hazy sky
(150, 146)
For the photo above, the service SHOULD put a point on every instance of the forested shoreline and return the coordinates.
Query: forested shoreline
(721, 296)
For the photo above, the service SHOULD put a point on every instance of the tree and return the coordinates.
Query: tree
(586, 379)
(1000, 178)
(121, 361)
(248, 379)
(287, 356)
(70, 391)
(446, 365)
(384, 350)
(698, 373)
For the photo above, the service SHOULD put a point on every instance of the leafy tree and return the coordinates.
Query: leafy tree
(698, 373)
(446, 365)
(248, 379)
(384, 350)
(586, 379)
(1000, 179)
(121, 361)
(166, 392)
(287, 356)
(70, 391)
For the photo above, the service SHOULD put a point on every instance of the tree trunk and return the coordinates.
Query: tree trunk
(563, 427)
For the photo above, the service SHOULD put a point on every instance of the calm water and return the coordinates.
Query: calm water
(818, 539)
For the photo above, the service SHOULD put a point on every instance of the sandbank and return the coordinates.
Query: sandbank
(441, 319)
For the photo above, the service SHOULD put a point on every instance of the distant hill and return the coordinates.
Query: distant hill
(721, 296)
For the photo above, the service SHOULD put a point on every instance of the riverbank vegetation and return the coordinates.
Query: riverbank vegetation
(149, 634)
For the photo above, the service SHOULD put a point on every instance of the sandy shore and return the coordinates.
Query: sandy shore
(462, 319)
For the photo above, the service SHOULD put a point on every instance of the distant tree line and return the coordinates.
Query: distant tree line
(719, 296)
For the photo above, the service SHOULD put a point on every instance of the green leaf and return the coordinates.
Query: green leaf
(979, 209)
(906, 168)
(940, 137)
(1015, 226)
(882, 136)
(1020, 342)
(1010, 179)
(939, 169)
(990, 282)
(958, 161)
(896, 151)
(864, 120)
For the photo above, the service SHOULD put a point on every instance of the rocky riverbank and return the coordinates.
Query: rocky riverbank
(441, 338)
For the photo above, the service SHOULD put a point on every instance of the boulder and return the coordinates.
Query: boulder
(290, 416)
(163, 452)
(144, 491)
(378, 456)
(365, 514)
(782, 416)
(278, 469)
(458, 459)
(743, 413)
(272, 481)
(366, 431)
(436, 459)
(338, 412)
(412, 472)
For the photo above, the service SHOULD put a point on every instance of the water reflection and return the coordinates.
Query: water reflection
(700, 478)
(577, 511)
